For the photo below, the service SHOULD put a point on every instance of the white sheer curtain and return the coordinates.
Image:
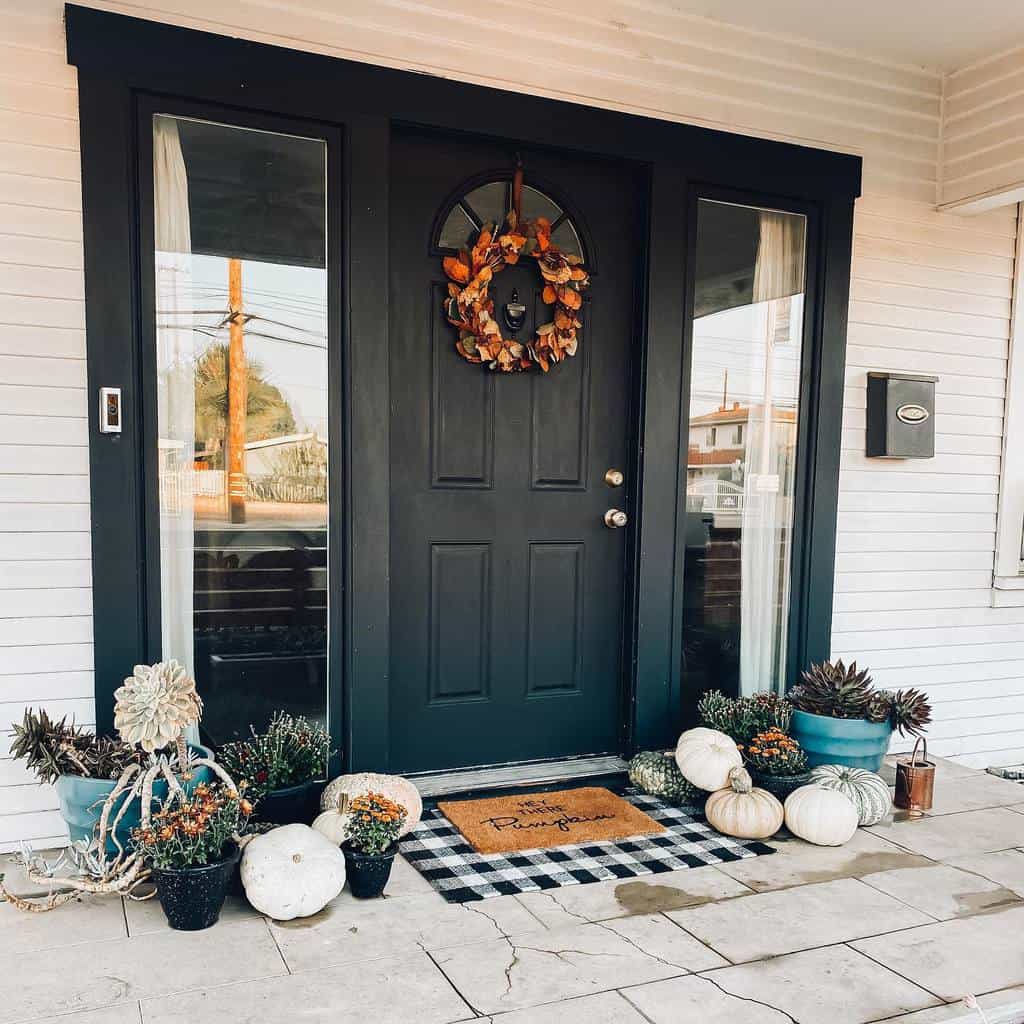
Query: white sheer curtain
(176, 382)
(767, 502)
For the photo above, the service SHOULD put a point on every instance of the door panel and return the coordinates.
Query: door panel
(506, 586)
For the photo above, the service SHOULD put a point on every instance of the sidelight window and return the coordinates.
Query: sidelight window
(745, 375)
(242, 417)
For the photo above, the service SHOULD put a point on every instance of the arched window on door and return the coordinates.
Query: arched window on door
(488, 201)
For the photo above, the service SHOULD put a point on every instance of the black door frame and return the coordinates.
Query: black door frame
(124, 63)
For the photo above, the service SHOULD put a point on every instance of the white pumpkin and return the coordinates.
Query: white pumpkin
(824, 817)
(292, 872)
(705, 758)
(742, 810)
(868, 791)
(332, 824)
(396, 788)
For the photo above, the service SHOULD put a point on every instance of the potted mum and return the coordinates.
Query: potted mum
(742, 718)
(153, 708)
(374, 825)
(840, 718)
(776, 763)
(191, 847)
(284, 768)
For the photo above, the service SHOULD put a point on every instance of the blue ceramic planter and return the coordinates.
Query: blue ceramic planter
(81, 801)
(854, 742)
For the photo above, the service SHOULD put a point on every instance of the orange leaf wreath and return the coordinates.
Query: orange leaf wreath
(470, 309)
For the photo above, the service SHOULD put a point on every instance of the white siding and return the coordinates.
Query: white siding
(916, 537)
(983, 129)
(930, 292)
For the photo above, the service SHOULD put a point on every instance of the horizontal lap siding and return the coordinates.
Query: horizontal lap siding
(930, 292)
(46, 653)
(916, 539)
(983, 129)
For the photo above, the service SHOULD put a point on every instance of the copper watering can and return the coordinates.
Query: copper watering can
(915, 781)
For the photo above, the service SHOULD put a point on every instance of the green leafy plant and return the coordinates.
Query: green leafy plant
(192, 830)
(291, 751)
(743, 717)
(774, 753)
(374, 822)
(53, 748)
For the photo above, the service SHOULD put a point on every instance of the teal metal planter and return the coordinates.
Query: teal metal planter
(854, 742)
(81, 801)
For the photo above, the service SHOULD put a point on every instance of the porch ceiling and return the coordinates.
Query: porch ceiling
(942, 35)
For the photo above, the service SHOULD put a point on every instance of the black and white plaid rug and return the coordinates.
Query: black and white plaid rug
(437, 849)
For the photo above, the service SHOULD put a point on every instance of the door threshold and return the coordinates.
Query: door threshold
(514, 775)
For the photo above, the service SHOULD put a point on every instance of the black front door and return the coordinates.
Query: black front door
(506, 584)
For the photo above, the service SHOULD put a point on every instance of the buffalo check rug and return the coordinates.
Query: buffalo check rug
(437, 849)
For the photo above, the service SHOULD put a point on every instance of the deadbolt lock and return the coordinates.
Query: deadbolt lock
(614, 478)
(615, 519)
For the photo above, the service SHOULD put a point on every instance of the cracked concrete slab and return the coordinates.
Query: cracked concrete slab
(622, 897)
(394, 990)
(96, 974)
(952, 958)
(772, 923)
(799, 863)
(348, 931)
(567, 962)
(834, 984)
(944, 892)
(956, 835)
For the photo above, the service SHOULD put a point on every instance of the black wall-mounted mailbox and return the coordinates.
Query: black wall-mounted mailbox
(901, 416)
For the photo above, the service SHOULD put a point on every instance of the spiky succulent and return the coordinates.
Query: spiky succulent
(834, 690)
(54, 748)
(879, 706)
(155, 705)
(910, 712)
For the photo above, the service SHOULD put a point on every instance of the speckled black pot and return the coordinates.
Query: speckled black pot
(780, 786)
(296, 804)
(368, 873)
(192, 897)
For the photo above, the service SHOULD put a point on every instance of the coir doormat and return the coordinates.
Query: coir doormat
(530, 821)
(439, 851)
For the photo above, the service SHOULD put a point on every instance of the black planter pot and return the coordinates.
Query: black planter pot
(779, 786)
(296, 804)
(192, 897)
(368, 873)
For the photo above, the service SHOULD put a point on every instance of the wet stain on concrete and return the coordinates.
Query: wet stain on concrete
(992, 901)
(858, 865)
(645, 898)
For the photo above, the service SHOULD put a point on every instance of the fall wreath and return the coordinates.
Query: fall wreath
(470, 309)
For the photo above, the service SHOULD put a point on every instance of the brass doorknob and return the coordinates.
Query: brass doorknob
(615, 518)
(614, 478)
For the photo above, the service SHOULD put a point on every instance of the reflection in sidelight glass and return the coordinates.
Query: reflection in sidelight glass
(741, 457)
(241, 339)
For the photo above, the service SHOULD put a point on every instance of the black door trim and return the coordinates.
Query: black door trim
(121, 59)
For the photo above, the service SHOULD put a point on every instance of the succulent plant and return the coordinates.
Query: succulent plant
(879, 706)
(834, 690)
(155, 705)
(53, 748)
(910, 712)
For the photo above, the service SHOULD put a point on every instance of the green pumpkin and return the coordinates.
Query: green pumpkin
(656, 772)
(868, 791)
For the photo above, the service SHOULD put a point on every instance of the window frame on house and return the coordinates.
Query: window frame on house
(1008, 575)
